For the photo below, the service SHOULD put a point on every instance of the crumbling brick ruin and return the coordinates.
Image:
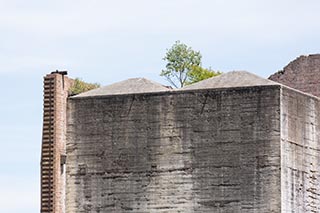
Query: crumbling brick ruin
(302, 74)
(233, 143)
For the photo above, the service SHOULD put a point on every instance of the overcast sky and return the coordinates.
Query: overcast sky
(108, 41)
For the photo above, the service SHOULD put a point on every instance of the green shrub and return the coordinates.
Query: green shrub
(80, 86)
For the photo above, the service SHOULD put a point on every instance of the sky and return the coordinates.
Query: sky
(108, 41)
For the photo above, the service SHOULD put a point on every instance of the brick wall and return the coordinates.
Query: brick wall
(56, 88)
(302, 74)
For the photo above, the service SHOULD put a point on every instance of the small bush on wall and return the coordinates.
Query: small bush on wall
(80, 86)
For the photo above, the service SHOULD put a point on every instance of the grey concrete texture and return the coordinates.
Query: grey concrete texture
(300, 152)
(231, 79)
(214, 150)
(142, 85)
(129, 86)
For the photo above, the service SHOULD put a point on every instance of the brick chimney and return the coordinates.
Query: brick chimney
(53, 153)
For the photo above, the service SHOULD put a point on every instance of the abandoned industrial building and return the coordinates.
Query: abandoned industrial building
(232, 143)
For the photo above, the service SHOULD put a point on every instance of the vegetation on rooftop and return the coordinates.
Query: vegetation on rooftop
(198, 73)
(184, 66)
(80, 86)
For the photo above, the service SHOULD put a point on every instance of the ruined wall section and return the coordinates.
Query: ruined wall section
(53, 151)
(300, 151)
(302, 74)
(191, 151)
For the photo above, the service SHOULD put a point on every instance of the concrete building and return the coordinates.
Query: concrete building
(233, 143)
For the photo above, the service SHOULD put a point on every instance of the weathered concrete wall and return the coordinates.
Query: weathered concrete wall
(193, 151)
(302, 74)
(300, 155)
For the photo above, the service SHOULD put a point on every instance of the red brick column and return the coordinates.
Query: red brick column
(56, 87)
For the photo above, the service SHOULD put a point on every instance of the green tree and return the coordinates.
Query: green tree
(184, 66)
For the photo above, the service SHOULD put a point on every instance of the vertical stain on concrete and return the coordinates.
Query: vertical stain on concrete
(300, 152)
(173, 154)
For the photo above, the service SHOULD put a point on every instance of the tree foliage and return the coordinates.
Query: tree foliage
(184, 66)
(80, 86)
(199, 73)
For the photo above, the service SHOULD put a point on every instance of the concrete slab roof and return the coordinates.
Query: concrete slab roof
(142, 85)
(129, 86)
(231, 79)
